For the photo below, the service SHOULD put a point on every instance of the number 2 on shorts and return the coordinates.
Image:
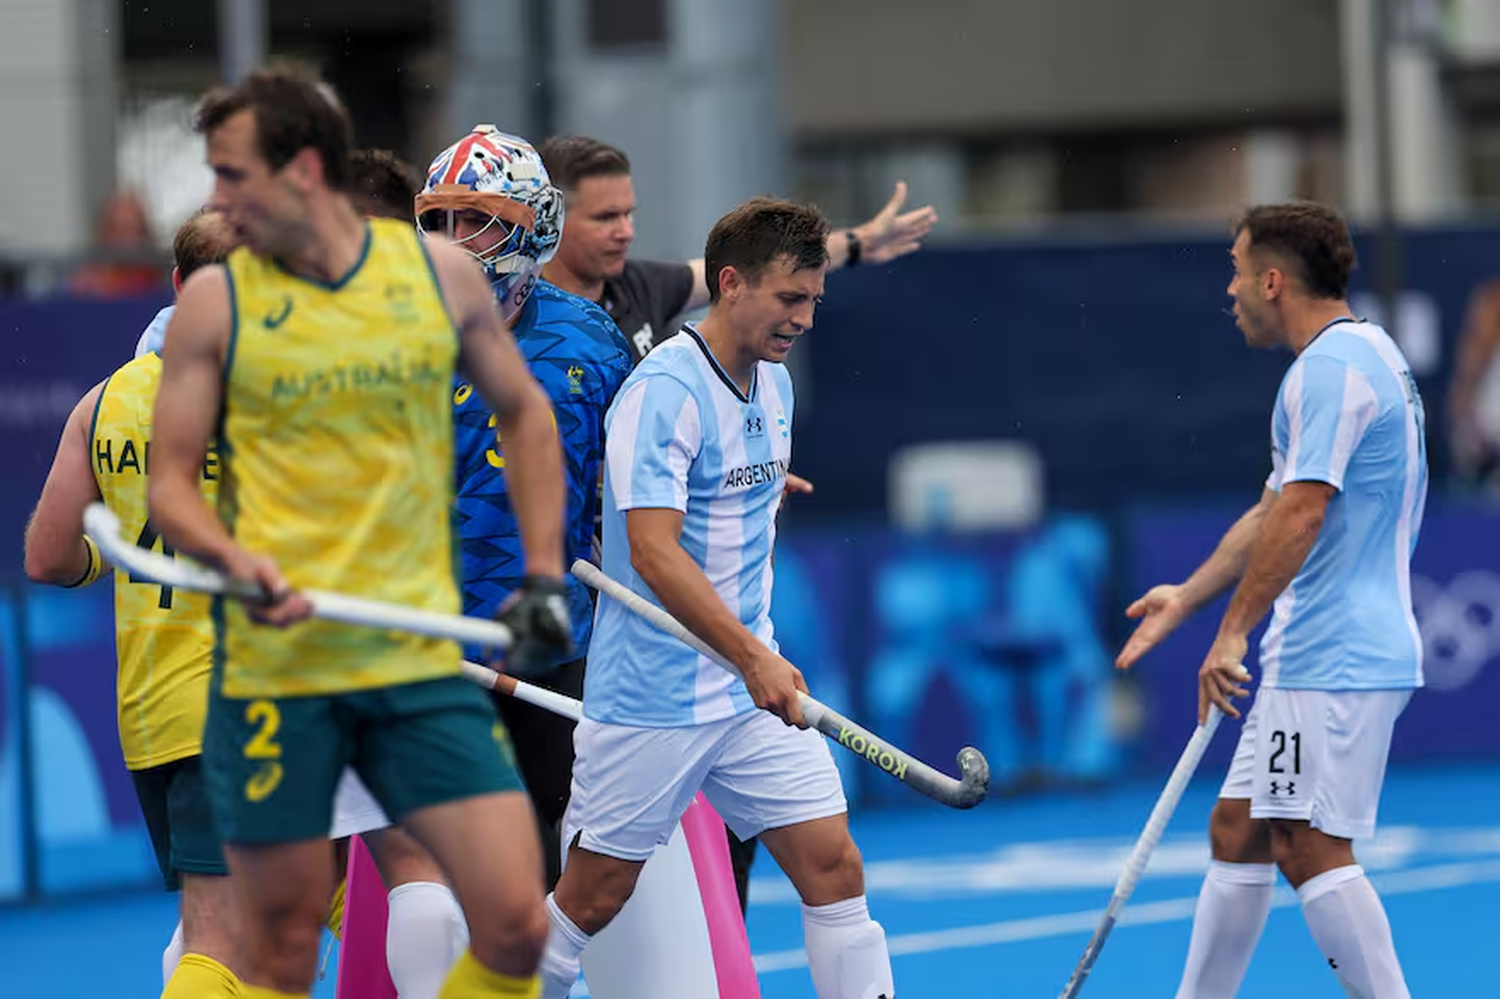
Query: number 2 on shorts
(263, 746)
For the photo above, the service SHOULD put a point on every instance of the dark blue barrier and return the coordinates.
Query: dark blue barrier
(55, 351)
(1116, 360)
(937, 642)
(85, 829)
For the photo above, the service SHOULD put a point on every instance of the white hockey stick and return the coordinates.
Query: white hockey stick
(547, 700)
(965, 793)
(1135, 866)
(104, 527)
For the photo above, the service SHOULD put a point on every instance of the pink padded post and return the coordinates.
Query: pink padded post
(363, 973)
(733, 966)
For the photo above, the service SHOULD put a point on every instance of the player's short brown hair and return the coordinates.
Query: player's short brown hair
(383, 184)
(571, 158)
(205, 238)
(1312, 239)
(293, 111)
(752, 237)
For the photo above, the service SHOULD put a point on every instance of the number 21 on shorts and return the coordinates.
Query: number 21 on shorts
(1285, 763)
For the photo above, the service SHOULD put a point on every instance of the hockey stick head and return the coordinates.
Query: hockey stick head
(103, 526)
(975, 782)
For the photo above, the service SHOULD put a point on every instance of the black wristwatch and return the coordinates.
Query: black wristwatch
(851, 257)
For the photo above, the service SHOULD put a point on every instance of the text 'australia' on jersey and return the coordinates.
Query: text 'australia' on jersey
(578, 355)
(1348, 414)
(682, 436)
(337, 457)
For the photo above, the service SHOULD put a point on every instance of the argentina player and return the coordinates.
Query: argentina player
(1328, 552)
(698, 442)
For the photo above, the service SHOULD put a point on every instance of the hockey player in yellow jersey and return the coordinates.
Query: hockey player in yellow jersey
(322, 355)
(164, 643)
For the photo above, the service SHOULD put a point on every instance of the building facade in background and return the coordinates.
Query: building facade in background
(1005, 116)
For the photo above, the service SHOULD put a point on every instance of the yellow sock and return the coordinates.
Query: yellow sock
(336, 909)
(471, 980)
(201, 977)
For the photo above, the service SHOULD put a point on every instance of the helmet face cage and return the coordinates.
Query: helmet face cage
(502, 177)
(444, 222)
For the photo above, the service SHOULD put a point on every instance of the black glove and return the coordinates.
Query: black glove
(540, 626)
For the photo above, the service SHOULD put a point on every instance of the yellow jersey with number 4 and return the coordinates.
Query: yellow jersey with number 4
(337, 451)
(163, 637)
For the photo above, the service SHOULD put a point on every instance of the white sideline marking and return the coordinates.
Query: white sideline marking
(1170, 910)
(1056, 865)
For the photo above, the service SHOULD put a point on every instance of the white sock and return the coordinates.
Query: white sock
(172, 955)
(565, 943)
(1348, 924)
(1232, 908)
(846, 951)
(425, 933)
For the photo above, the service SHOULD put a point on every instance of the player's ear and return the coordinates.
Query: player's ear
(731, 282)
(1273, 282)
(304, 169)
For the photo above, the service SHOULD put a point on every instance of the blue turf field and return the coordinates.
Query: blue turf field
(994, 903)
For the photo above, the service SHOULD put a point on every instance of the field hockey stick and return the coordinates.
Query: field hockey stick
(547, 700)
(1135, 865)
(956, 793)
(104, 527)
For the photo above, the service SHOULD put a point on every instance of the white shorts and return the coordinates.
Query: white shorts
(355, 809)
(631, 785)
(1316, 755)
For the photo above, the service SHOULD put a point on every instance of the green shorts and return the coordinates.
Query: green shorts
(273, 763)
(180, 820)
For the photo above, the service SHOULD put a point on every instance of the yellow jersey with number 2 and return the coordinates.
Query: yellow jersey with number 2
(337, 450)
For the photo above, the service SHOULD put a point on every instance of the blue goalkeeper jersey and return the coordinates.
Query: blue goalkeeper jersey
(578, 355)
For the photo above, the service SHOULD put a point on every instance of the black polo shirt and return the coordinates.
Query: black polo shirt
(645, 300)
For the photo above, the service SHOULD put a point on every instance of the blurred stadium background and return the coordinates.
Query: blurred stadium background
(1012, 432)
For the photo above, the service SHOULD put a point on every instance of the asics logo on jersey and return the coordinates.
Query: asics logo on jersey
(756, 474)
(274, 320)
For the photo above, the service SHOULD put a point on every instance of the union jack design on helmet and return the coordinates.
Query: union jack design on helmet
(500, 176)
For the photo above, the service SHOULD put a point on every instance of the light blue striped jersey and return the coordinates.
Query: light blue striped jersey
(1349, 414)
(153, 336)
(681, 436)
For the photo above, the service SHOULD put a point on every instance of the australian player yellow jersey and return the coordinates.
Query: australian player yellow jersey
(337, 455)
(164, 638)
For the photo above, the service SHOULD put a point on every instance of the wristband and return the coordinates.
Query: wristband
(95, 566)
(854, 249)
